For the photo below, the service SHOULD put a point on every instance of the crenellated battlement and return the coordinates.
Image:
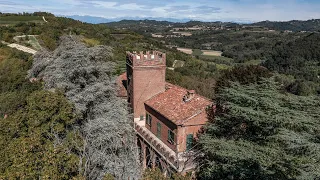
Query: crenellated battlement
(148, 58)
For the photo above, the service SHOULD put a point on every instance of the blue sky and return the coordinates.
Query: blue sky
(206, 10)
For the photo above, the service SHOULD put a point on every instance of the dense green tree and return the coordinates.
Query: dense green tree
(37, 141)
(36, 136)
(156, 174)
(257, 132)
(243, 75)
(14, 86)
(299, 58)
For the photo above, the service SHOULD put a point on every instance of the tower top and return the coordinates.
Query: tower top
(153, 58)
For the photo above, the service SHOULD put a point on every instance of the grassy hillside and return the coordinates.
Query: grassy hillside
(11, 20)
(309, 25)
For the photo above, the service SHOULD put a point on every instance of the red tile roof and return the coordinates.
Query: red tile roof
(171, 105)
(121, 89)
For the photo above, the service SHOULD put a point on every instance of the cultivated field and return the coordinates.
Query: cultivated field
(211, 53)
(183, 33)
(198, 52)
(185, 50)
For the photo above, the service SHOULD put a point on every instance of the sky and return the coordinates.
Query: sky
(204, 10)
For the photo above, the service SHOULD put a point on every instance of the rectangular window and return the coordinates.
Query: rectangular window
(148, 119)
(170, 137)
(159, 130)
(189, 141)
(141, 117)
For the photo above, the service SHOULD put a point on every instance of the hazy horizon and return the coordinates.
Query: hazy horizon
(203, 10)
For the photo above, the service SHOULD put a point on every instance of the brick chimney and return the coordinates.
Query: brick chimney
(189, 96)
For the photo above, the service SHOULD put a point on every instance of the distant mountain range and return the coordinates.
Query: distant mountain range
(99, 20)
(294, 25)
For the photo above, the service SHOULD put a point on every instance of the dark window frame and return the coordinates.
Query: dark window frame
(148, 119)
(171, 137)
(159, 129)
(189, 142)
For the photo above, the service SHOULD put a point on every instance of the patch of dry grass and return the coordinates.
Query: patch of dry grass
(91, 42)
(211, 53)
(185, 50)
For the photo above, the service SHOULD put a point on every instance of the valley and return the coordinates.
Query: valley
(202, 100)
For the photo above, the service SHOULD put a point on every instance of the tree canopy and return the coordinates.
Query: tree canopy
(258, 132)
(36, 135)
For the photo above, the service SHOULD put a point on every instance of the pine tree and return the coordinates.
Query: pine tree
(258, 132)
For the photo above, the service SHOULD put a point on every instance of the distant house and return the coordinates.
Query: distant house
(288, 31)
(167, 117)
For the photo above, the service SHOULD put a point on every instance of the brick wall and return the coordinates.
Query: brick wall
(146, 78)
(165, 126)
(193, 126)
(147, 82)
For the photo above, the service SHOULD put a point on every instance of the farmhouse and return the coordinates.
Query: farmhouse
(167, 117)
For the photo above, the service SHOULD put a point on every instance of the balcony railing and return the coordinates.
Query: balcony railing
(179, 161)
(167, 153)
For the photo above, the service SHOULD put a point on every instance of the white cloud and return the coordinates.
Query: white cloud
(103, 4)
(131, 6)
(224, 10)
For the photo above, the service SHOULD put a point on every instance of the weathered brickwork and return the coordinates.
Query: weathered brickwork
(161, 110)
(146, 78)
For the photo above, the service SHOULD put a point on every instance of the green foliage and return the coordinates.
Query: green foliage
(91, 42)
(197, 52)
(18, 19)
(302, 88)
(36, 139)
(153, 174)
(257, 132)
(156, 174)
(299, 58)
(14, 86)
(295, 25)
(243, 75)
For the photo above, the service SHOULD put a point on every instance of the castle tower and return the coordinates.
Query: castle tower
(145, 78)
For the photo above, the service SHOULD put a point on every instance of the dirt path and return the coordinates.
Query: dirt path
(22, 48)
(44, 19)
(32, 40)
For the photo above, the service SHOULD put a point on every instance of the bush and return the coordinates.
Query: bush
(302, 88)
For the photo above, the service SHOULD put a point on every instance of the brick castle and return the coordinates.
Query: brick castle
(167, 117)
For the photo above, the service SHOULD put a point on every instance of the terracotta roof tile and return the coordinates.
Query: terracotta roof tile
(171, 104)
